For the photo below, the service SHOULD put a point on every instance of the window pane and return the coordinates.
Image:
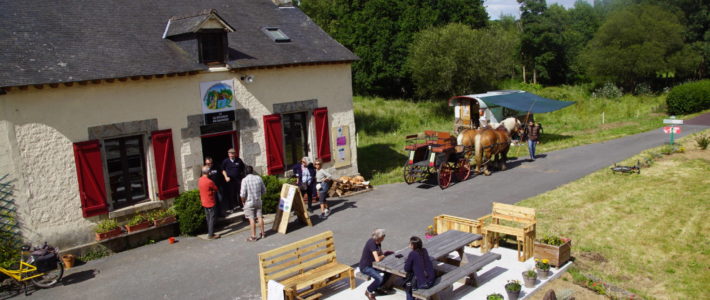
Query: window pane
(126, 168)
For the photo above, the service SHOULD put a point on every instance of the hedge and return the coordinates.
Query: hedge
(689, 98)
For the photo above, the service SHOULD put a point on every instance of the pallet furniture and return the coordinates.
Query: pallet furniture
(467, 270)
(519, 222)
(303, 267)
(444, 223)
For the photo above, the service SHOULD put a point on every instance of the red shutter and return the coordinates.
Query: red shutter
(274, 144)
(89, 170)
(322, 134)
(165, 164)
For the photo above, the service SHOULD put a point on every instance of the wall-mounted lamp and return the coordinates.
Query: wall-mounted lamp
(247, 78)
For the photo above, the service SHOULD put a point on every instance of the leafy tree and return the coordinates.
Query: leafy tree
(634, 45)
(380, 32)
(456, 59)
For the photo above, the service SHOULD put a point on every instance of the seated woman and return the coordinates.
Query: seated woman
(324, 180)
(418, 262)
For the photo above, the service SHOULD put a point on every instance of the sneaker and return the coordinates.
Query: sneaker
(327, 212)
(370, 296)
(322, 216)
(384, 292)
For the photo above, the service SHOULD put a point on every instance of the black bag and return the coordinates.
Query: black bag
(409, 282)
(45, 262)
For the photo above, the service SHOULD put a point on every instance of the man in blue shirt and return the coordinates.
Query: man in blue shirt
(233, 172)
(372, 252)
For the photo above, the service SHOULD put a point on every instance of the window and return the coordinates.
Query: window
(276, 34)
(295, 137)
(125, 161)
(212, 47)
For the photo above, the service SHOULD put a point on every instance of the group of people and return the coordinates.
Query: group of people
(312, 179)
(232, 187)
(419, 268)
(531, 132)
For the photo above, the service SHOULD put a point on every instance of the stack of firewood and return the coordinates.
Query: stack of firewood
(346, 185)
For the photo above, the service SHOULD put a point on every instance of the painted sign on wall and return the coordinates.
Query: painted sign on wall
(218, 102)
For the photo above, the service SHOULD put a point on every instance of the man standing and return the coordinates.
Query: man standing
(216, 176)
(251, 190)
(533, 132)
(207, 197)
(233, 172)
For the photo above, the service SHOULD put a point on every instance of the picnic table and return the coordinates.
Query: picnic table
(438, 247)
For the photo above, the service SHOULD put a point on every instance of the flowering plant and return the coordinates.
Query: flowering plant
(530, 273)
(430, 230)
(542, 264)
(553, 240)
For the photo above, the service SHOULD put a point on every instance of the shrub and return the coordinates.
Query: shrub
(702, 141)
(689, 98)
(9, 249)
(190, 214)
(106, 226)
(270, 200)
(609, 91)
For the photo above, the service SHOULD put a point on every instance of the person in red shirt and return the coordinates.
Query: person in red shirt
(207, 196)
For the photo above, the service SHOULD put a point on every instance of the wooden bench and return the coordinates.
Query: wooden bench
(467, 270)
(303, 267)
(444, 223)
(520, 222)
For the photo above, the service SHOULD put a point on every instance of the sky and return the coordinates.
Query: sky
(511, 7)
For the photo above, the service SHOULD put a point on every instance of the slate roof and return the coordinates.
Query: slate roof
(191, 24)
(75, 40)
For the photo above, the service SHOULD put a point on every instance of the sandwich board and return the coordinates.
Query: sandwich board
(290, 200)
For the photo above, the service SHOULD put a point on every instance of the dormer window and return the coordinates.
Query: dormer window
(213, 46)
(276, 34)
(208, 30)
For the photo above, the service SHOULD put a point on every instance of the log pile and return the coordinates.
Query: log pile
(347, 185)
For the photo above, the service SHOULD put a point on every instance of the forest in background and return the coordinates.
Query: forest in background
(433, 49)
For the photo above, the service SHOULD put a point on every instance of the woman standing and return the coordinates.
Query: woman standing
(324, 180)
(418, 262)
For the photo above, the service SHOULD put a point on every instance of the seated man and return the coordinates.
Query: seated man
(372, 252)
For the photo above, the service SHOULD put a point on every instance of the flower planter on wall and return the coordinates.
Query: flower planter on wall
(109, 234)
(140, 226)
(557, 255)
(164, 221)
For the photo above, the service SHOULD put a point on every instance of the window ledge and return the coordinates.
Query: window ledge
(134, 209)
(218, 69)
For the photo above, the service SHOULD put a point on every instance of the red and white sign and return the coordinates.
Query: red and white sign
(668, 129)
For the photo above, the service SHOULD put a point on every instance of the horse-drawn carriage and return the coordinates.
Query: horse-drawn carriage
(435, 153)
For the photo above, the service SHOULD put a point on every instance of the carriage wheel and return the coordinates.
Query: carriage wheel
(410, 173)
(444, 175)
(463, 169)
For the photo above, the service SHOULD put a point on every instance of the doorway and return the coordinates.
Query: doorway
(295, 137)
(217, 144)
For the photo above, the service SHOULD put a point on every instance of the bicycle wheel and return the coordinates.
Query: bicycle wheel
(50, 278)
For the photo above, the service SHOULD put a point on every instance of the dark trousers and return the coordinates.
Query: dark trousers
(210, 214)
(231, 193)
(222, 205)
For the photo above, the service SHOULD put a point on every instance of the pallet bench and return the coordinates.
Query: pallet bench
(443, 223)
(522, 220)
(303, 267)
(470, 264)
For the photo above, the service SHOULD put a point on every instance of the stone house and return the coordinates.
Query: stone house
(108, 108)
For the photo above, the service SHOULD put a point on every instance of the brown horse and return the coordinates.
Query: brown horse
(490, 144)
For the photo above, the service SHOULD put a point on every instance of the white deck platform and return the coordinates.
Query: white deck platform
(491, 279)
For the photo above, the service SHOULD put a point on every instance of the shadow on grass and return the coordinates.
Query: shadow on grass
(551, 137)
(372, 123)
(378, 158)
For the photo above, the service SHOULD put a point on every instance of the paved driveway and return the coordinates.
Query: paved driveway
(227, 268)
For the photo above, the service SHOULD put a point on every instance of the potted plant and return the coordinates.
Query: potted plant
(164, 216)
(138, 222)
(495, 296)
(553, 248)
(513, 289)
(107, 229)
(529, 277)
(543, 268)
(429, 232)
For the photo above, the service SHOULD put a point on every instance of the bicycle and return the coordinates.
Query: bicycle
(40, 265)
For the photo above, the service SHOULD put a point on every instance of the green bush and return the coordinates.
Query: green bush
(190, 214)
(270, 200)
(703, 141)
(106, 226)
(689, 98)
(9, 250)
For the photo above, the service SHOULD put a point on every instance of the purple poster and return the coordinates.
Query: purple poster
(340, 141)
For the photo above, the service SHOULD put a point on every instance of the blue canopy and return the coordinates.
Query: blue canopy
(520, 101)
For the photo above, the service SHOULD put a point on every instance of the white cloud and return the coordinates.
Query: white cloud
(496, 8)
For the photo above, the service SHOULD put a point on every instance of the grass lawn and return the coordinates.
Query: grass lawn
(644, 233)
(383, 124)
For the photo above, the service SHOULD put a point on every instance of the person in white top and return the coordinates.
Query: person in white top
(482, 118)
(324, 180)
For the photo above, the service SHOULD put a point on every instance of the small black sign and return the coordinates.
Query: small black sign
(218, 117)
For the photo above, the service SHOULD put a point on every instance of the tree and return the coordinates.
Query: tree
(380, 33)
(456, 59)
(635, 45)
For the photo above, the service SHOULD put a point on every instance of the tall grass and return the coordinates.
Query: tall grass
(383, 124)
